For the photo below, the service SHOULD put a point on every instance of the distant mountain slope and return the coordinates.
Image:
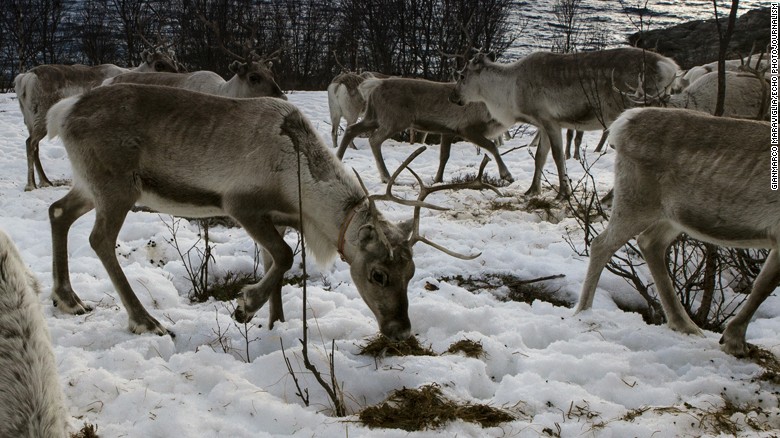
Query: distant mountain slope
(696, 42)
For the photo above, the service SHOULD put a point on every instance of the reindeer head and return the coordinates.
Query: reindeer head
(256, 78)
(382, 265)
(157, 60)
(468, 87)
(252, 71)
(381, 268)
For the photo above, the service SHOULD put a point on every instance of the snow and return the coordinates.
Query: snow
(558, 373)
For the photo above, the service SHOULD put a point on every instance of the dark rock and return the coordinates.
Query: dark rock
(696, 42)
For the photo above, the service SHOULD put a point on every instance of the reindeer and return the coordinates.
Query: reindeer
(31, 399)
(690, 76)
(746, 95)
(554, 91)
(44, 85)
(677, 171)
(344, 100)
(395, 104)
(252, 78)
(166, 152)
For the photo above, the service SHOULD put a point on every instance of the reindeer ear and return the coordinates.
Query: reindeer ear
(366, 234)
(146, 56)
(477, 62)
(234, 66)
(269, 64)
(406, 227)
(492, 56)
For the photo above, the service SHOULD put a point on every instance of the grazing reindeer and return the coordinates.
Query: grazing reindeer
(747, 95)
(732, 65)
(30, 395)
(395, 104)
(167, 152)
(554, 91)
(45, 85)
(681, 171)
(252, 77)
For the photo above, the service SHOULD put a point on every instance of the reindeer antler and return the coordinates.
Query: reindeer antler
(638, 95)
(476, 184)
(249, 52)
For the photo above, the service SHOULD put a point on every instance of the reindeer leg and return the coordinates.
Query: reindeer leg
(577, 145)
(376, 140)
(491, 147)
(444, 156)
(733, 339)
(276, 311)
(34, 147)
(109, 218)
(334, 128)
(569, 136)
(62, 214)
(351, 122)
(617, 234)
(556, 145)
(653, 243)
(30, 166)
(351, 132)
(262, 230)
(543, 147)
(602, 141)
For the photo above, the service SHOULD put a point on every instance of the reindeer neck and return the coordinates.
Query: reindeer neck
(356, 217)
(329, 202)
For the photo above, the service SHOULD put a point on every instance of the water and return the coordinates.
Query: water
(609, 21)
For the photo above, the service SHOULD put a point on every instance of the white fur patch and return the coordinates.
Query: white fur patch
(31, 400)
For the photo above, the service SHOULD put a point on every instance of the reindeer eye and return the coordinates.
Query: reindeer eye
(159, 66)
(254, 79)
(379, 277)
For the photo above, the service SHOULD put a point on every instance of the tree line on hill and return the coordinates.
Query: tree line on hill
(317, 39)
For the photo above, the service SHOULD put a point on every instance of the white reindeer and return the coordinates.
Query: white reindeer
(250, 79)
(554, 91)
(30, 395)
(44, 85)
(395, 104)
(344, 100)
(680, 171)
(167, 152)
(747, 95)
(687, 78)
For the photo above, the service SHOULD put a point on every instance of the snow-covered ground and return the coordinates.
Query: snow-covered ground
(574, 375)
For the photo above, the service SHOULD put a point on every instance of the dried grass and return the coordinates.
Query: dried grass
(426, 408)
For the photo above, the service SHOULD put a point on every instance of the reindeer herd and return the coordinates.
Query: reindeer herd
(195, 145)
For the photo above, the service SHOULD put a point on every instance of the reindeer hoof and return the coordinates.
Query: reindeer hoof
(147, 324)
(737, 348)
(241, 315)
(273, 320)
(533, 191)
(73, 305)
